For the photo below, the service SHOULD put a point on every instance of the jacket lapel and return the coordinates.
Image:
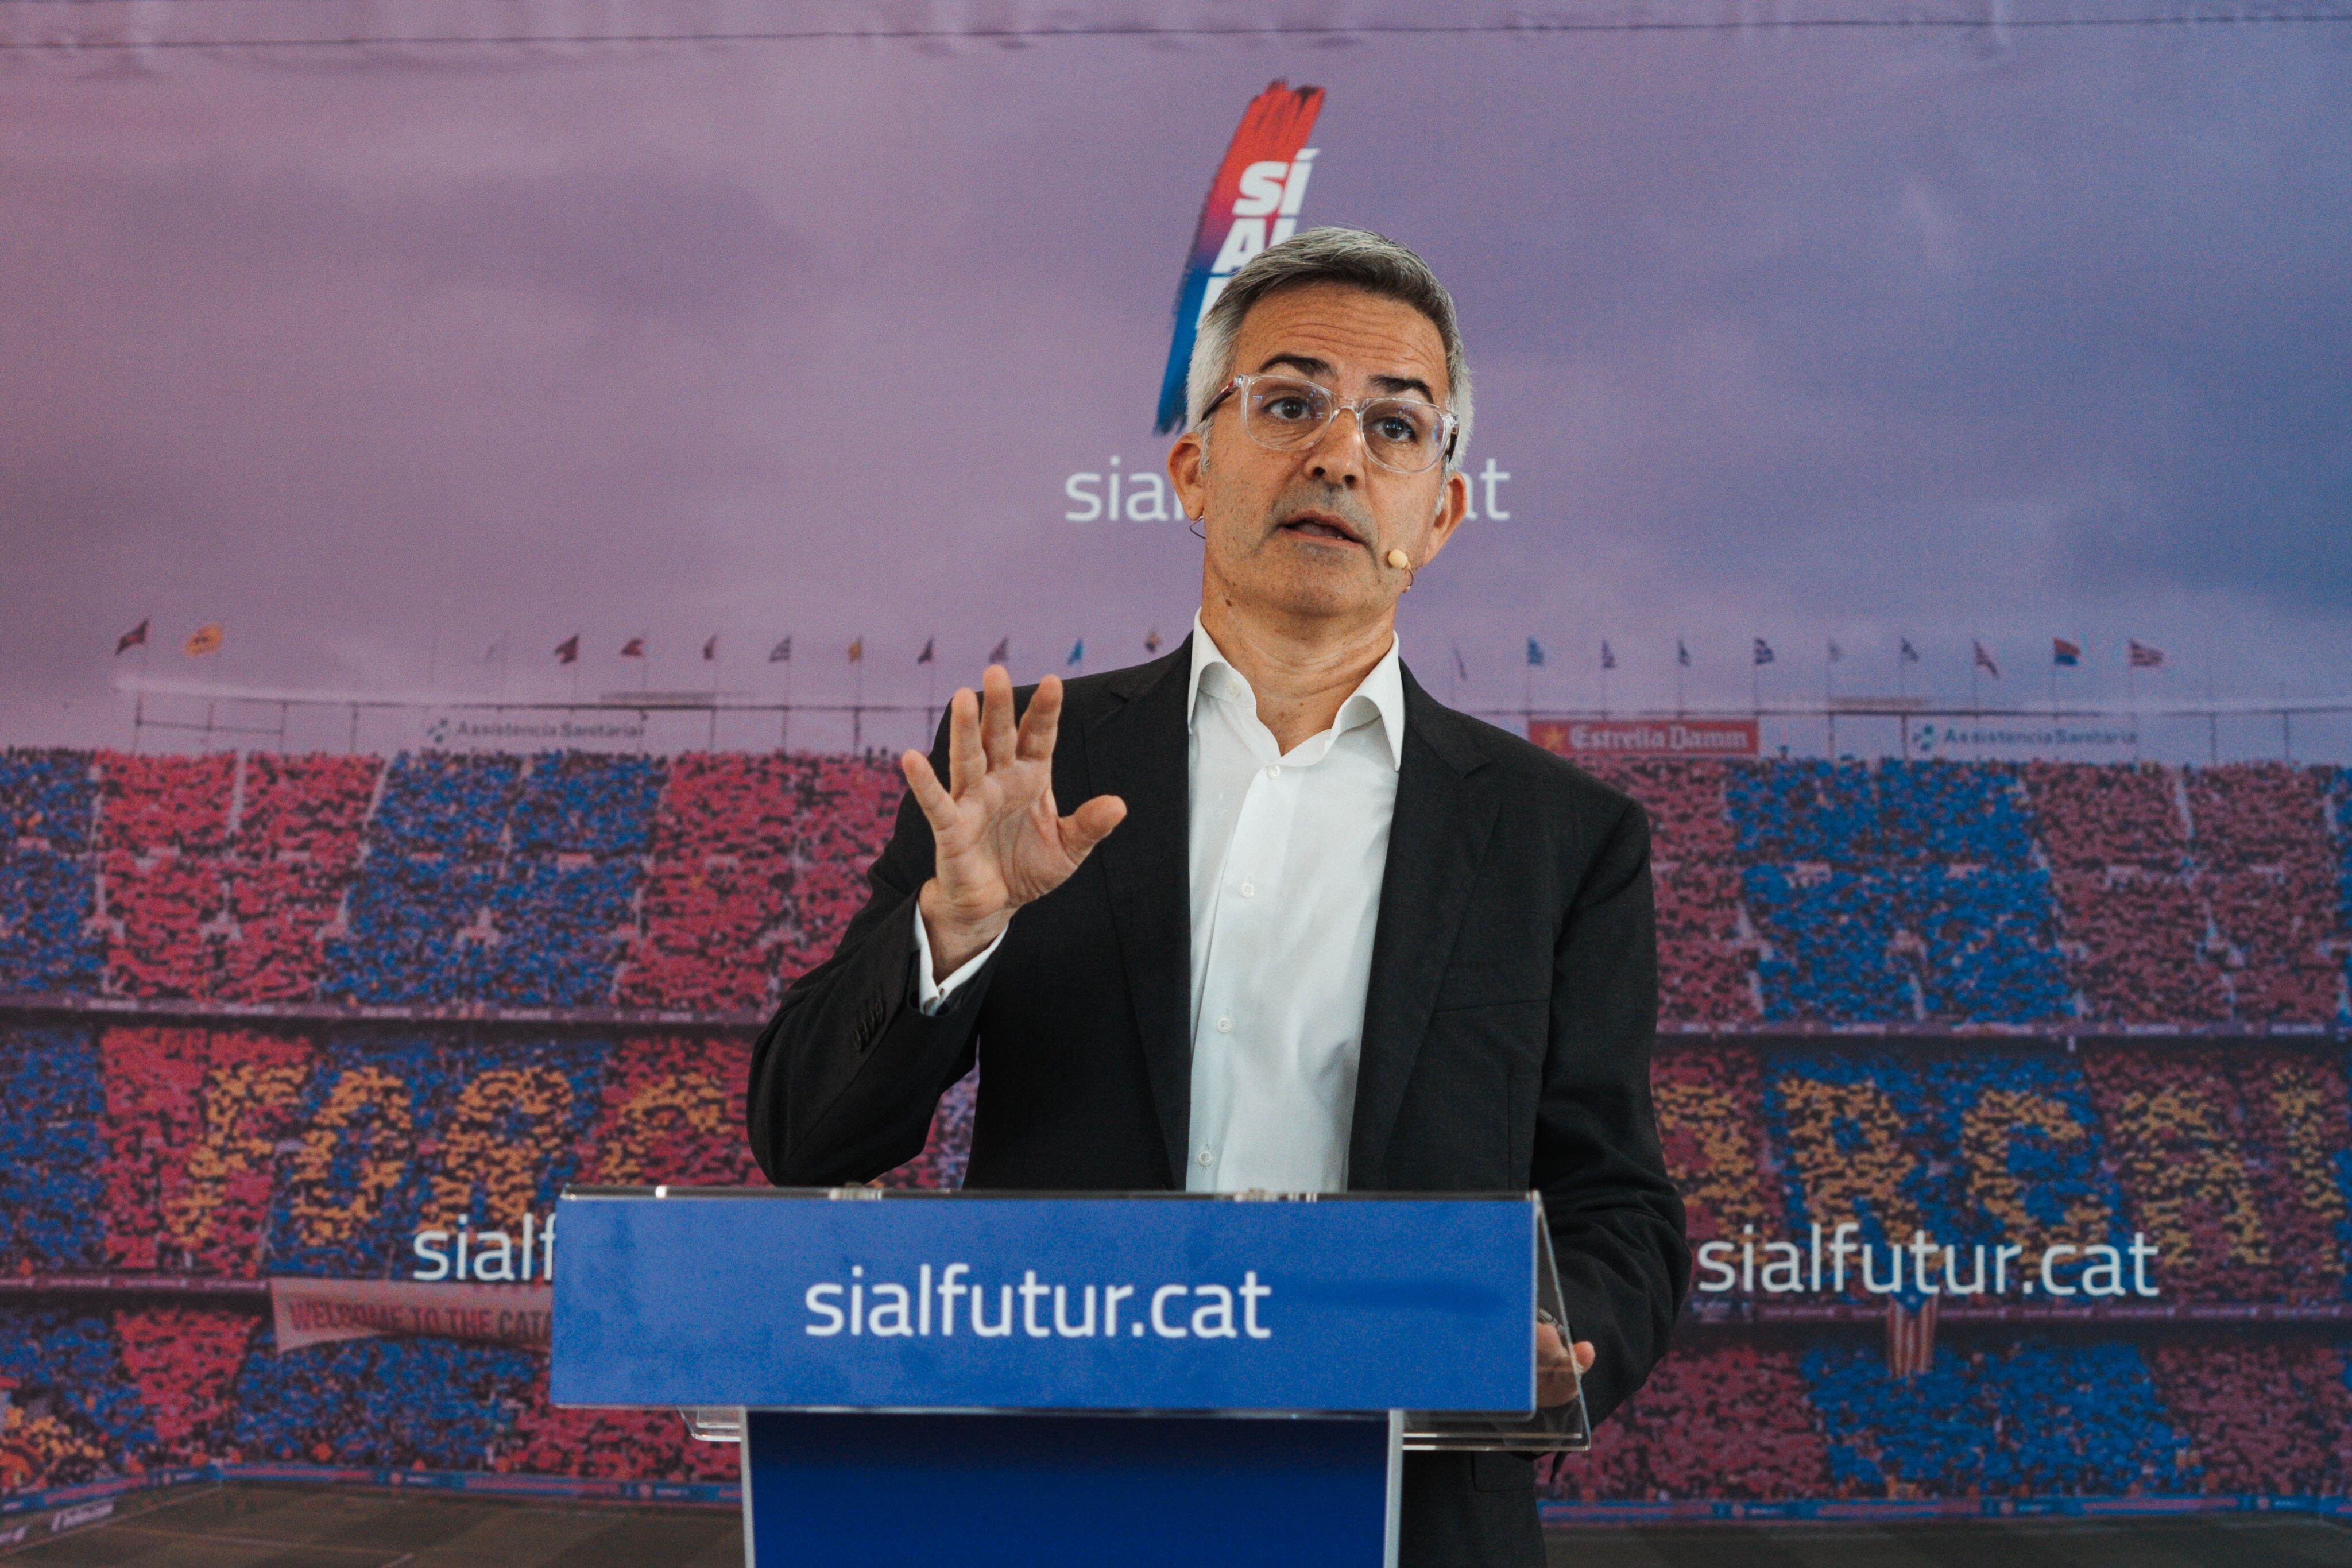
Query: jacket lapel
(1137, 751)
(1443, 816)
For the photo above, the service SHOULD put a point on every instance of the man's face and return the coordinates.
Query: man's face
(1307, 532)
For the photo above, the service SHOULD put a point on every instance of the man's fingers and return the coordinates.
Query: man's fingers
(964, 765)
(938, 806)
(1091, 823)
(1044, 719)
(1584, 1354)
(996, 714)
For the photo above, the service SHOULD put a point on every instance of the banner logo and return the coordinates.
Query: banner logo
(1253, 203)
(1645, 737)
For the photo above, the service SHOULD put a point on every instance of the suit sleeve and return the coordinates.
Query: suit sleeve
(1616, 1216)
(846, 1077)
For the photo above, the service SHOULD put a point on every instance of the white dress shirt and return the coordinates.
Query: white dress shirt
(1288, 855)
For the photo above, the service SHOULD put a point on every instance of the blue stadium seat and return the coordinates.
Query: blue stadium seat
(1892, 891)
(52, 1150)
(2037, 1419)
(390, 1403)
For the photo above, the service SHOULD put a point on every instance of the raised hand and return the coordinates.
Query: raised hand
(999, 841)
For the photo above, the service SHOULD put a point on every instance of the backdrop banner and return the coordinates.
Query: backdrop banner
(323, 1311)
(489, 492)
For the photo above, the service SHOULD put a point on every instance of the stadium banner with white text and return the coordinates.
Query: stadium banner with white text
(1639, 737)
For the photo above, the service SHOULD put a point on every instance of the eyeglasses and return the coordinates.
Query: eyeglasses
(1284, 414)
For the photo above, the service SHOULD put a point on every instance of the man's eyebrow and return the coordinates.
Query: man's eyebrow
(1308, 365)
(1305, 365)
(1405, 384)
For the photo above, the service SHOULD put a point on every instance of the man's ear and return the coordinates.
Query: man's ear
(1452, 506)
(1187, 473)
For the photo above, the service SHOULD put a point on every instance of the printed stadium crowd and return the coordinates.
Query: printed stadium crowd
(695, 886)
(1793, 891)
(234, 1152)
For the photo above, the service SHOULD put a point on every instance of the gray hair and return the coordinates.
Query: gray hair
(1356, 258)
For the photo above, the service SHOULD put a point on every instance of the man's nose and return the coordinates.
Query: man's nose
(1337, 456)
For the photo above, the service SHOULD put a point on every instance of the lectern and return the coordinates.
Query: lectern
(972, 1379)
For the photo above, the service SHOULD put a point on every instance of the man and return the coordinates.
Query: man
(1307, 930)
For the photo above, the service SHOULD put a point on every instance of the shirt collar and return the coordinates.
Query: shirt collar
(1383, 690)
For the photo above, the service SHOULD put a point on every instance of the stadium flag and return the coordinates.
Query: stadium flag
(1910, 1337)
(1077, 653)
(1984, 660)
(568, 651)
(134, 638)
(2065, 654)
(782, 654)
(2144, 657)
(1002, 651)
(635, 648)
(1461, 670)
(1762, 653)
(1253, 203)
(710, 650)
(858, 651)
(1681, 654)
(1152, 640)
(1908, 654)
(207, 639)
(926, 655)
(1535, 652)
(1608, 659)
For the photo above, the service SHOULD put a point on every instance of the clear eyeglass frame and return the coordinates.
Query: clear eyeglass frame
(1434, 427)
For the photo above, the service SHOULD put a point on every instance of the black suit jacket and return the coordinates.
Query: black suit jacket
(1506, 1031)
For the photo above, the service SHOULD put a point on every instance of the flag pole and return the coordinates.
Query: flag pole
(2212, 719)
(1829, 712)
(138, 708)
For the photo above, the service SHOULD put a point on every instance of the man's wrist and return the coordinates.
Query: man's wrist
(954, 943)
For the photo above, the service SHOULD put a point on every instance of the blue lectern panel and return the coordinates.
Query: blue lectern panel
(850, 1491)
(1046, 1303)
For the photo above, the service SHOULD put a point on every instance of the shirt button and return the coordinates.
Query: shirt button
(1207, 1158)
(1274, 770)
(1225, 1025)
(1249, 890)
